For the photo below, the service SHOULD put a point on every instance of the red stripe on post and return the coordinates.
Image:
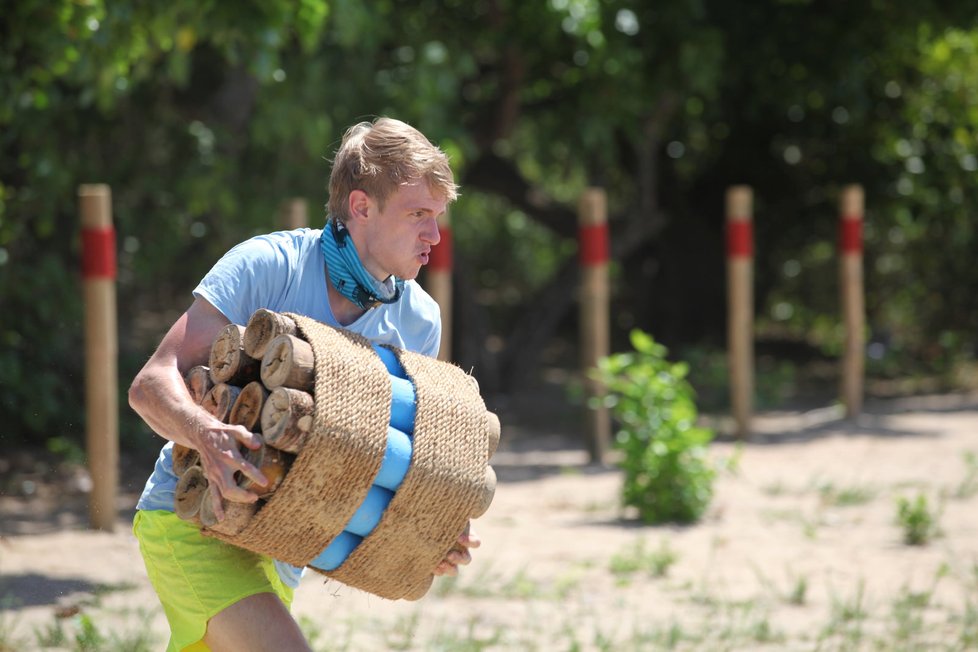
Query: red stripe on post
(851, 235)
(592, 241)
(442, 254)
(98, 253)
(740, 239)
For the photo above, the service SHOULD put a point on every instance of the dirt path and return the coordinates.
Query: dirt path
(800, 551)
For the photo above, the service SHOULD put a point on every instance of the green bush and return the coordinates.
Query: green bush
(668, 476)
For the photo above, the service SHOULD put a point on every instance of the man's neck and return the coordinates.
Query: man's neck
(345, 311)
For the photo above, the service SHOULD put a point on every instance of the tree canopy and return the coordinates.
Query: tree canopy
(204, 115)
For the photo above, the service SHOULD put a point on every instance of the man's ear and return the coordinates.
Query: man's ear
(358, 204)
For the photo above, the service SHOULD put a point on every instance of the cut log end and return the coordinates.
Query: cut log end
(488, 493)
(199, 382)
(263, 327)
(286, 419)
(184, 457)
(493, 432)
(220, 400)
(247, 408)
(273, 464)
(288, 362)
(236, 515)
(228, 361)
(189, 494)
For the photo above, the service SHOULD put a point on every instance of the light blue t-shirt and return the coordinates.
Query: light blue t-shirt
(285, 272)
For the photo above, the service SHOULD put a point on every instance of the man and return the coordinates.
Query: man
(387, 187)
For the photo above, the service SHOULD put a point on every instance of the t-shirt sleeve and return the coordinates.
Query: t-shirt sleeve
(252, 275)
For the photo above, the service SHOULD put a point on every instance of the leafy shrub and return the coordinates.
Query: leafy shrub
(918, 522)
(668, 477)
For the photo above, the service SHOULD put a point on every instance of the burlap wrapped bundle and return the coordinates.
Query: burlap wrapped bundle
(449, 480)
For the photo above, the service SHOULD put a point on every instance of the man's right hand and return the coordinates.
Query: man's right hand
(220, 448)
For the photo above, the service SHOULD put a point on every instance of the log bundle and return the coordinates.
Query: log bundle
(373, 503)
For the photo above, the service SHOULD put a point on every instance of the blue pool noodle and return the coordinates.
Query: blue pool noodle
(368, 516)
(390, 361)
(337, 551)
(393, 468)
(403, 405)
(397, 459)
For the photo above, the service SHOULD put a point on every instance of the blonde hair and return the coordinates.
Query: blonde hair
(379, 157)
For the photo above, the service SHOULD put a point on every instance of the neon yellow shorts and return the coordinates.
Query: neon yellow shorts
(196, 577)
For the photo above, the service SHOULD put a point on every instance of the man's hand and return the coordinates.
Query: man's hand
(219, 445)
(459, 555)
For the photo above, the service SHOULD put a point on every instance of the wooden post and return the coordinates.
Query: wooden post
(294, 214)
(740, 305)
(439, 282)
(101, 352)
(594, 307)
(851, 207)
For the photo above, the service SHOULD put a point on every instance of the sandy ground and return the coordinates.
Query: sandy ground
(800, 550)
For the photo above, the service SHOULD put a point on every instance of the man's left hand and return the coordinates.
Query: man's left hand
(459, 555)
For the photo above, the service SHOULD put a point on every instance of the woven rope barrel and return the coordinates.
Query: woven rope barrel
(445, 486)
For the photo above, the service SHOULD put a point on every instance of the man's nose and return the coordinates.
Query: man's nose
(430, 233)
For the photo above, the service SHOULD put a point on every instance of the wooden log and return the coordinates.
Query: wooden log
(489, 491)
(199, 382)
(263, 327)
(286, 419)
(247, 408)
(236, 515)
(189, 494)
(220, 399)
(494, 430)
(228, 361)
(288, 362)
(184, 458)
(273, 464)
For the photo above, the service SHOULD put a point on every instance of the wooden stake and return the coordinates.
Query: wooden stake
(286, 419)
(438, 281)
(293, 214)
(228, 361)
(594, 309)
(851, 208)
(247, 408)
(189, 493)
(263, 327)
(220, 400)
(288, 362)
(101, 352)
(199, 382)
(740, 305)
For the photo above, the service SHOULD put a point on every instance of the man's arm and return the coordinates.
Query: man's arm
(160, 396)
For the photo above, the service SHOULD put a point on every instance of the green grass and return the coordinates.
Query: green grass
(636, 559)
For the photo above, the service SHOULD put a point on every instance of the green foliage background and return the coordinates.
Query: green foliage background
(204, 115)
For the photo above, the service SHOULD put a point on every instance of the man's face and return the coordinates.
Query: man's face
(398, 239)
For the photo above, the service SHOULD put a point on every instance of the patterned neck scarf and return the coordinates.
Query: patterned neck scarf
(347, 273)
